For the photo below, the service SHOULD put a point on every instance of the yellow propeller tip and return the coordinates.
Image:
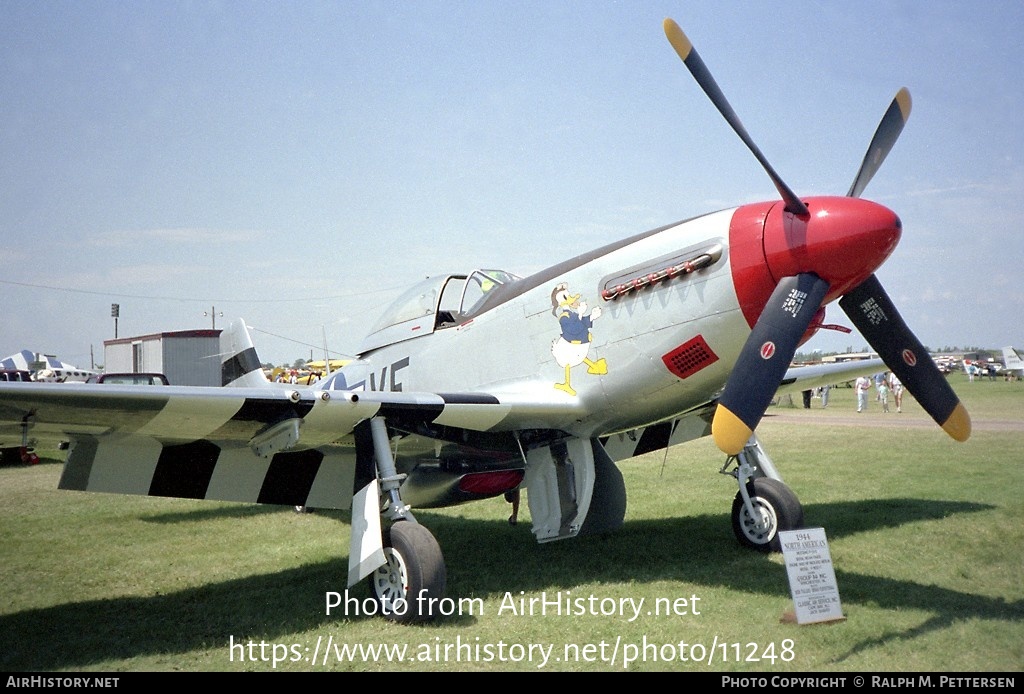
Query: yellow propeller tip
(904, 102)
(729, 431)
(958, 424)
(677, 38)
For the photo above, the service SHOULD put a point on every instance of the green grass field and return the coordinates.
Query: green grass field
(926, 537)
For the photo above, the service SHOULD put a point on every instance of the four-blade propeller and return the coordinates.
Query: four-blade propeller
(810, 276)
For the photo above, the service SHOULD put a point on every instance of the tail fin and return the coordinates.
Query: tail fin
(239, 367)
(1012, 360)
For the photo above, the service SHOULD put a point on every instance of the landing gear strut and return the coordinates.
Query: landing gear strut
(764, 505)
(412, 579)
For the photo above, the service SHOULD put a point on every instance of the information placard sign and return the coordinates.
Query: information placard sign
(812, 579)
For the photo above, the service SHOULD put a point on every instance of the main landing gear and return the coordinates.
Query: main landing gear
(764, 505)
(412, 579)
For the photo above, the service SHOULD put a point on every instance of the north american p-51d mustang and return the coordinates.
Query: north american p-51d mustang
(472, 386)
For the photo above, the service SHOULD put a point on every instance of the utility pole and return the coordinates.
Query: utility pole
(115, 312)
(213, 316)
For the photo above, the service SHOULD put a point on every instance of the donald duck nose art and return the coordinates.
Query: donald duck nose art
(572, 347)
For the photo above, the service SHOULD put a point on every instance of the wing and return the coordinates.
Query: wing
(800, 378)
(251, 444)
(304, 446)
(212, 443)
(687, 427)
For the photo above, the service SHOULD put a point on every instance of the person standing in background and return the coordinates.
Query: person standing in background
(897, 391)
(862, 386)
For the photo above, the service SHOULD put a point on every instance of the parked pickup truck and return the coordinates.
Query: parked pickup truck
(131, 379)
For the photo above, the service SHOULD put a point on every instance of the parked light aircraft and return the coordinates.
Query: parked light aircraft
(479, 384)
(1012, 363)
(45, 367)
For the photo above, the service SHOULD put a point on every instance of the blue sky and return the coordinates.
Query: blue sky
(299, 164)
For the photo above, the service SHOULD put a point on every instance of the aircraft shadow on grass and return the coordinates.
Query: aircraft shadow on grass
(214, 512)
(693, 550)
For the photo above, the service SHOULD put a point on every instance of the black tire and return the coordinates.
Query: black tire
(778, 505)
(410, 585)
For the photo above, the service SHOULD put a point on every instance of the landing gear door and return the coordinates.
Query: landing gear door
(559, 487)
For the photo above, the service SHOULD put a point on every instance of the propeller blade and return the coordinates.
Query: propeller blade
(688, 54)
(870, 309)
(765, 358)
(888, 132)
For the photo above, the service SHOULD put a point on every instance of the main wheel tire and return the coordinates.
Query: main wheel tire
(779, 510)
(409, 586)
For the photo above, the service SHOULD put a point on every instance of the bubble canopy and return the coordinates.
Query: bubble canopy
(437, 302)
